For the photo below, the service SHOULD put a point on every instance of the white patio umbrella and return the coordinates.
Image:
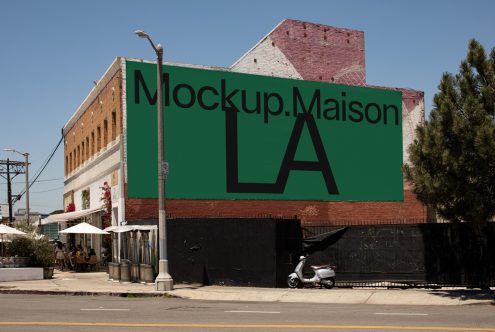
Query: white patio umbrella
(111, 228)
(83, 228)
(4, 229)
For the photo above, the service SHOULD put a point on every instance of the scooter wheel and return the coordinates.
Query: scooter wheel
(293, 282)
(328, 283)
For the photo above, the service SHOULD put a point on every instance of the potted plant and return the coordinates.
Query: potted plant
(43, 256)
(35, 250)
(21, 249)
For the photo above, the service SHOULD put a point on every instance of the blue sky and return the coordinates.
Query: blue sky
(52, 51)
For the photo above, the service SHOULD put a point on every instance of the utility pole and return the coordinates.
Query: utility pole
(26, 171)
(27, 188)
(9, 192)
(8, 170)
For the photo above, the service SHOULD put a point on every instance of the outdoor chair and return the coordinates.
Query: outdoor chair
(93, 262)
(71, 262)
(67, 261)
(80, 263)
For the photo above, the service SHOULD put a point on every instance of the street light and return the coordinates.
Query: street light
(26, 157)
(163, 281)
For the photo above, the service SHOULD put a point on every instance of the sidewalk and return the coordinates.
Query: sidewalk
(97, 283)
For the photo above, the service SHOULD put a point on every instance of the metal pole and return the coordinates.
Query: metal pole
(27, 187)
(9, 192)
(163, 281)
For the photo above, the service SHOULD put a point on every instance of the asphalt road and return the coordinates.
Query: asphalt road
(99, 313)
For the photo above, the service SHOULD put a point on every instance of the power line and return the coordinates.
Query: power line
(40, 170)
(22, 182)
(45, 191)
(43, 166)
(48, 180)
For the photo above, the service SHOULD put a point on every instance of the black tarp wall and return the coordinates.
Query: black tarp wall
(243, 252)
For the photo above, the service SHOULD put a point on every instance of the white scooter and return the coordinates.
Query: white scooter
(323, 275)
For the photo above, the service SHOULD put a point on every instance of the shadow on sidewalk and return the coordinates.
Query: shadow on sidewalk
(57, 274)
(465, 294)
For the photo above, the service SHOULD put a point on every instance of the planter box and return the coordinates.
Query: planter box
(125, 271)
(12, 262)
(20, 274)
(48, 272)
(147, 274)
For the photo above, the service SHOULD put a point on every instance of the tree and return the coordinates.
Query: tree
(452, 159)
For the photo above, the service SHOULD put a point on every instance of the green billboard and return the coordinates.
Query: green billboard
(238, 136)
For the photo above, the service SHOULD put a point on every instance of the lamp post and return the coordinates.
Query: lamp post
(163, 281)
(26, 157)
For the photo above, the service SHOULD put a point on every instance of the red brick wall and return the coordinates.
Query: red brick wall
(140, 208)
(310, 212)
(78, 140)
(322, 53)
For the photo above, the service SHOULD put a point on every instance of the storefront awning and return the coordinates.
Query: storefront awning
(128, 228)
(57, 218)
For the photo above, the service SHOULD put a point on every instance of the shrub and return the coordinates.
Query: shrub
(40, 251)
(21, 247)
(43, 253)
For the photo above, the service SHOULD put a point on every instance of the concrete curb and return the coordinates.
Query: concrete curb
(86, 293)
(234, 295)
(98, 284)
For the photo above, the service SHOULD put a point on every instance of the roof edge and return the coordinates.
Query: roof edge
(257, 44)
(102, 82)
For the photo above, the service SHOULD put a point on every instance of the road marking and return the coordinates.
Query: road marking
(400, 314)
(254, 326)
(253, 312)
(103, 309)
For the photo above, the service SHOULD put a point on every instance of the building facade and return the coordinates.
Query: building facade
(95, 136)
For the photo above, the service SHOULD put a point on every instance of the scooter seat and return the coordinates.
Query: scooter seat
(316, 267)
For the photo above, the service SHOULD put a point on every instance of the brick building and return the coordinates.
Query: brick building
(95, 136)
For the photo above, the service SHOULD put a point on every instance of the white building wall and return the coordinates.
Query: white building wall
(266, 59)
(410, 122)
(93, 174)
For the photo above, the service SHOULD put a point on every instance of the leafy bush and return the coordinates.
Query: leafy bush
(43, 253)
(39, 250)
(21, 247)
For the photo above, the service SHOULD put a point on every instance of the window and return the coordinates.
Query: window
(92, 142)
(105, 132)
(82, 153)
(78, 156)
(114, 125)
(85, 199)
(70, 162)
(66, 165)
(87, 147)
(98, 138)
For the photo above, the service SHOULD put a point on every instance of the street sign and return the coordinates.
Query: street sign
(165, 168)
